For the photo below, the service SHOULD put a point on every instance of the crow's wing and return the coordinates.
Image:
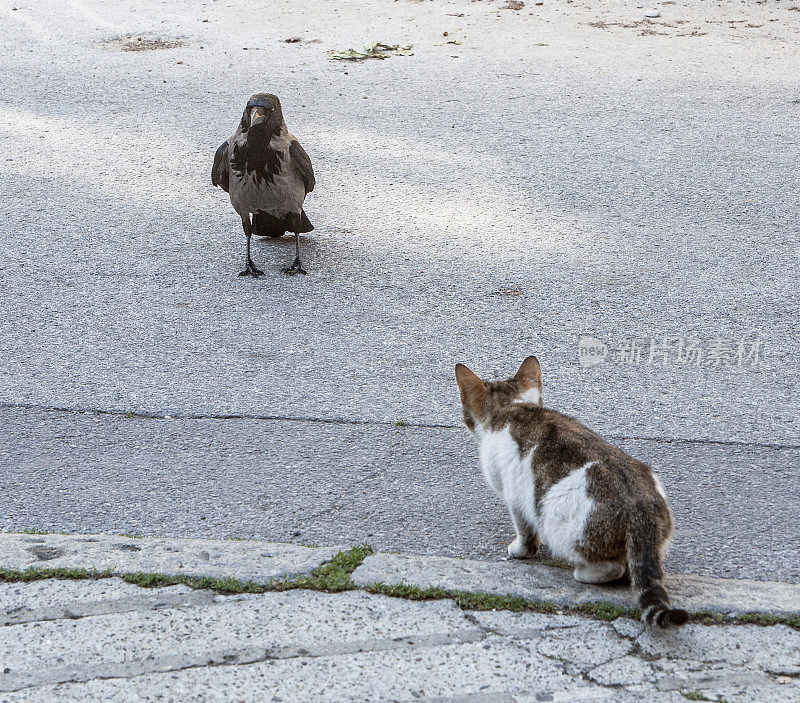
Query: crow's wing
(219, 172)
(303, 163)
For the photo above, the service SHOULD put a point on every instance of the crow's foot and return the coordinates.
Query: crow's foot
(296, 267)
(251, 270)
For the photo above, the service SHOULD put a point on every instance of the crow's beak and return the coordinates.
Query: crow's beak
(257, 114)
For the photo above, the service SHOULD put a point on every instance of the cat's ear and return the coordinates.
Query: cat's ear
(529, 380)
(473, 390)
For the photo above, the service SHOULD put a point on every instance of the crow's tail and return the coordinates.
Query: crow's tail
(305, 223)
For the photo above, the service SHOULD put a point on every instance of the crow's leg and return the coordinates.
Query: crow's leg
(250, 268)
(296, 267)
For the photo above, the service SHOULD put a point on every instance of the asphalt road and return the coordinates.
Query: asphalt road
(562, 172)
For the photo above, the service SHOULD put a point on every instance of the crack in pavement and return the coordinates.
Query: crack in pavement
(143, 415)
(87, 609)
(239, 657)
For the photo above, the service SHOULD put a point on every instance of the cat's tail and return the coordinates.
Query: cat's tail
(644, 565)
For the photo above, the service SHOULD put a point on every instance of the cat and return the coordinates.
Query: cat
(566, 487)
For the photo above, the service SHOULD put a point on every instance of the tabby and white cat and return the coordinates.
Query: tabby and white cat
(564, 485)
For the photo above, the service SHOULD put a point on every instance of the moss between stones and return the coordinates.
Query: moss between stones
(468, 600)
(35, 573)
(332, 577)
(335, 576)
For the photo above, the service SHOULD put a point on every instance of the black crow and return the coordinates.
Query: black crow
(267, 174)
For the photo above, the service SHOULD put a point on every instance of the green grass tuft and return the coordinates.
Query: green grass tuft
(605, 611)
(705, 617)
(331, 577)
(488, 601)
(334, 576)
(694, 696)
(408, 591)
(467, 600)
(464, 599)
(38, 573)
(767, 619)
(227, 585)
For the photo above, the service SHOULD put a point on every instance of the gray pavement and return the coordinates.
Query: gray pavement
(563, 171)
(107, 639)
(405, 489)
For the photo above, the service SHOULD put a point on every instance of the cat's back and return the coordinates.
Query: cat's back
(560, 445)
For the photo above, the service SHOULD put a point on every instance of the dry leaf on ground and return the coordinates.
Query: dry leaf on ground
(376, 50)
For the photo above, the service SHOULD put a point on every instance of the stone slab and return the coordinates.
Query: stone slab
(57, 599)
(496, 669)
(453, 672)
(244, 559)
(530, 580)
(230, 630)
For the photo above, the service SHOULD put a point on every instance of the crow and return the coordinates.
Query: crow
(267, 174)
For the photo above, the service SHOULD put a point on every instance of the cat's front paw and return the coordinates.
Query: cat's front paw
(518, 549)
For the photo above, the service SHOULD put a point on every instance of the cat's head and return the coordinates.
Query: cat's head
(479, 398)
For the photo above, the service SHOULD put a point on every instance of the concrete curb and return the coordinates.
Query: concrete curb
(262, 561)
(245, 560)
(532, 581)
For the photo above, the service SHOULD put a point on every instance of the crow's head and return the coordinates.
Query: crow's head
(263, 114)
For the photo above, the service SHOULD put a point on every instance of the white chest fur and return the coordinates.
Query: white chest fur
(509, 473)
